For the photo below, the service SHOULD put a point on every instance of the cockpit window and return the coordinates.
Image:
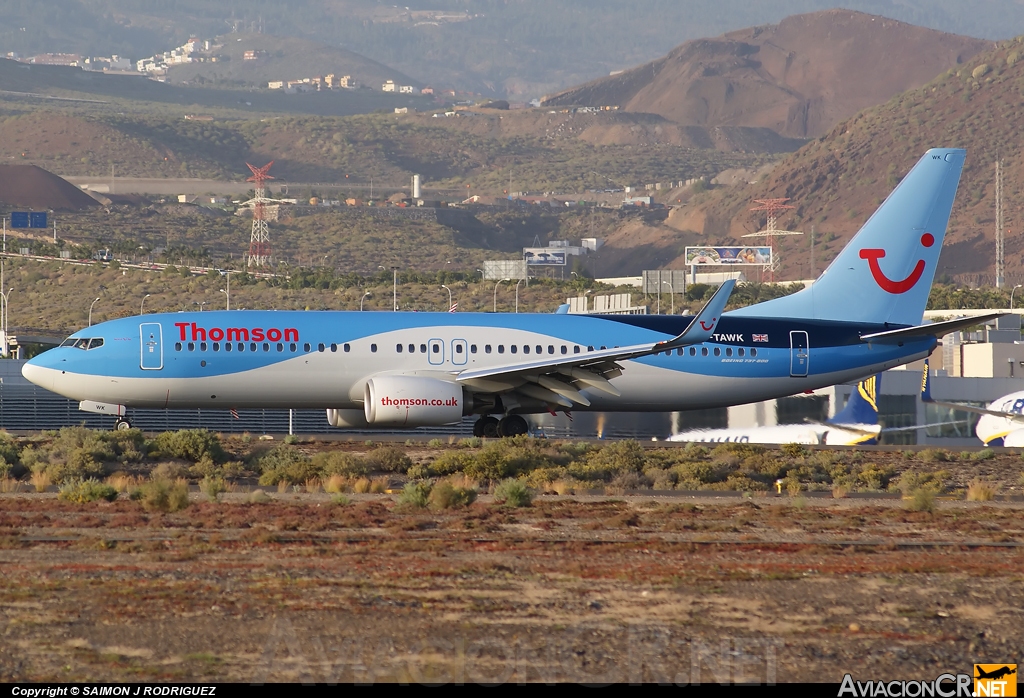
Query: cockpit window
(84, 343)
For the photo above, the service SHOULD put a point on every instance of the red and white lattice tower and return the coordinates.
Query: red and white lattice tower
(259, 241)
(772, 207)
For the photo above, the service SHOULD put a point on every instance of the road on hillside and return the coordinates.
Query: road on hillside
(192, 186)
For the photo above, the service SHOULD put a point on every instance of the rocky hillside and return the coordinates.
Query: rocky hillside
(837, 181)
(798, 77)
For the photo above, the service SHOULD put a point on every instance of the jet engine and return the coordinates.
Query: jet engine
(414, 401)
(347, 419)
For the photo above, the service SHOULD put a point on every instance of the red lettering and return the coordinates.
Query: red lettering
(257, 334)
(216, 334)
(181, 329)
(239, 334)
(274, 334)
(198, 333)
(291, 334)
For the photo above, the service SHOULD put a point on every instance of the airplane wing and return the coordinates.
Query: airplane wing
(934, 329)
(960, 407)
(558, 380)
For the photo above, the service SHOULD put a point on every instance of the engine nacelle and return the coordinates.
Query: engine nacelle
(1015, 439)
(347, 419)
(413, 401)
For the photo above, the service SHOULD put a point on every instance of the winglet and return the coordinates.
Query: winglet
(703, 326)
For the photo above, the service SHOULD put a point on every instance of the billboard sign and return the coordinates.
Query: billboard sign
(27, 219)
(544, 256)
(712, 256)
(498, 269)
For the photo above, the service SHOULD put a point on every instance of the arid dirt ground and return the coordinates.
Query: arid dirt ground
(595, 589)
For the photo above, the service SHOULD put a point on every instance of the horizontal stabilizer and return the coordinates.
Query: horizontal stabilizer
(934, 329)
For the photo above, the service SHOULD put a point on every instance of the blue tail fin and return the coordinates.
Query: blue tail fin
(926, 384)
(862, 407)
(885, 273)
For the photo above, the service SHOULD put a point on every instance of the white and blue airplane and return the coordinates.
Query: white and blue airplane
(391, 369)
(856, 424)
(1001, 423)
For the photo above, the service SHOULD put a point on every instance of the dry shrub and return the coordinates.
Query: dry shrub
(361, 486)
(40, 480)
(212, 487)
(123, 482)
(336, 484)
(169, 471)
(9, 484)
(83, 491)
(282, 486)
(922, 499)
(979, 490)
(379, 485)
(840, 491)
(313, 485)
(164, 495)
(445, 495)
(564, 487)
(259, 497)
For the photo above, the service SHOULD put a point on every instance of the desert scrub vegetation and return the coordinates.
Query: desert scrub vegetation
(82, 491)
(163, 495)
(79, 453)
(513, 493)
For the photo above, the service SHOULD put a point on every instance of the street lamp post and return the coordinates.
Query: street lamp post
(142, 305)
(365, 296)
(394, 288)
(4, 314)
(449, 297)
(90, 311)
(672, 295)
(201, 305)
(495, 308)
(517, 294)
(1011, 294)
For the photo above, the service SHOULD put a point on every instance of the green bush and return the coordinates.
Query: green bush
(191, 445)
(9, 451)
(922, 499)
(212, 487)
(82, 491)
(285, 464)
(164, 495)
(339, 463)
(340, 499)
(513, 493)
(507, 458)
(911, 481)
(612, 459)
(451, 462)
(984, 454)
(390, 459)
(415, 494)
(444, 495)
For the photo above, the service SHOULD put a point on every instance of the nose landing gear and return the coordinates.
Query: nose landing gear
(122, 424)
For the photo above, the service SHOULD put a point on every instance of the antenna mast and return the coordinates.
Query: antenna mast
(999, 225)
(259, 241)
(772, 207)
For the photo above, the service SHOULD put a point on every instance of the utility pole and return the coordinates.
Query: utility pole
(999, 225)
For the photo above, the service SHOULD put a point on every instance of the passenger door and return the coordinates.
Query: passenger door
(460, 353)
(799, 354)
(435, 352)
(151, 335)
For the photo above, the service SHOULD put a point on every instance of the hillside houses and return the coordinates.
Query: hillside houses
(314, 84)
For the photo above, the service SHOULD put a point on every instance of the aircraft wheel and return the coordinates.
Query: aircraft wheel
(513, 425)
(122, 425)
(487, 426)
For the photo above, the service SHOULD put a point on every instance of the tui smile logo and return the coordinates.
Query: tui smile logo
(883, 281)
(709, 326)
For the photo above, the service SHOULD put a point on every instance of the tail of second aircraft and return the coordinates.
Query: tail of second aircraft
(862, 407)
(884, 275)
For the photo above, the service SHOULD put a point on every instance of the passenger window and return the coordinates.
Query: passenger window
(680, 351)
(347, 347)
(728, 351)
(177, 346)
(740, 352)
(334, 347)
(540, 349)
(551, 349)
(718, 351)
(703, 351)
(590, 348)
(266, 346)
(216, 346)
(227, 346)
(280, 347)
(241, 346)
(320, 347)
(458, 348)
(576, 350)
(487, 348)
(513, 348)
(501, 348)
(202, 346)
(693, 351)
(373, 348)
(565, 350)
(753, 352)
(253, 346)
(526, 348)
(472, 348)
(603, 347)
(436, 348)
(412, 348)
(423, 348)
(292, 346)
(306, 347)
(191, 346)
(398, 348)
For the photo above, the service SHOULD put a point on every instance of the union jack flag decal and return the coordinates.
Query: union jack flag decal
(760, 337)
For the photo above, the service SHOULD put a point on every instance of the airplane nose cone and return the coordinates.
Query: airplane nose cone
(34, 373)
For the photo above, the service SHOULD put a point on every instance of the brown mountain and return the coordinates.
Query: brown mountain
(32, 187)
(798, 77)
(837, 181)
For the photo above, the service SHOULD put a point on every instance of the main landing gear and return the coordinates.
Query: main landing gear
(122, 424)
(512, 425)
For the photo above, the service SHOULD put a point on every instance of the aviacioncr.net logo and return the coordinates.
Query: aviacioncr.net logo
(945, 686)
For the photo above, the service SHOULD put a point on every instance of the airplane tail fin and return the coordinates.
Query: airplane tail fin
(862, 407)
(885, 273)
(926, 384)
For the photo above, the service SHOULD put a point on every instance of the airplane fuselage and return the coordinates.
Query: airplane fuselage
(323, 359)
